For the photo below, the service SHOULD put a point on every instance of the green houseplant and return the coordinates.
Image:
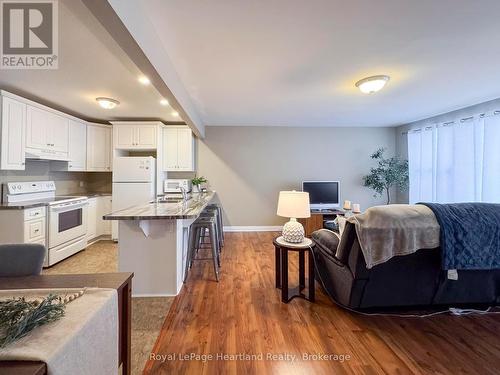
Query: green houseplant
(197, 181)
(390, 172)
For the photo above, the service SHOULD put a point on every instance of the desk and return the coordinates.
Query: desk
(316, 220)
(122, 282)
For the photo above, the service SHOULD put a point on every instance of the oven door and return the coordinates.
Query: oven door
(67, 222)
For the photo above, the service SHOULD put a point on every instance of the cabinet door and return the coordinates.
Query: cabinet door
(91, 219)
(146, 136)
(59, 132)
(98, 148)
(77, 150)
(185, 150)
(103, 208)
(124, 136)
(37, 128)
(13, 128)
(170, 149)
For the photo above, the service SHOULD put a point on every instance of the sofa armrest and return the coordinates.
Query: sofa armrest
(327, 240)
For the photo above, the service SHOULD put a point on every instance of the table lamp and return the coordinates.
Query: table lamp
(293, 204)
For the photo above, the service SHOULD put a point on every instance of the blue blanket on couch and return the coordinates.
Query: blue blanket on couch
(470, 235)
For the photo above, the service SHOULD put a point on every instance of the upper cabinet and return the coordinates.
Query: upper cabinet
(77, 146)
(12, 134)
(135, 135)
(178, 144)
(47, 133)
(98, 148)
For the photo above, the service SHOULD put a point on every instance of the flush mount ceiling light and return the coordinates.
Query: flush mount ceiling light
(107, 103)
(369, 85)
(144, 80)
(164, 102)
(175, 113)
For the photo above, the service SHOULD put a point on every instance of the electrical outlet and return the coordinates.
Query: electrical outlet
(82, 183)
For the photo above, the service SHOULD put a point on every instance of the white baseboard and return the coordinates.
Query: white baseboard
(255, 228)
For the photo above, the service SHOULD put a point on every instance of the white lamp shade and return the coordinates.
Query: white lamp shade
(294, 204)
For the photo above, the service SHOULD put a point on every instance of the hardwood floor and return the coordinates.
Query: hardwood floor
(243, 313)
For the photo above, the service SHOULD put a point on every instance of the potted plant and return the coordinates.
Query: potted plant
(388, 173)
(197, 181)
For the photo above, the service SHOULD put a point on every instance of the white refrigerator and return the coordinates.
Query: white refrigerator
(134, 183)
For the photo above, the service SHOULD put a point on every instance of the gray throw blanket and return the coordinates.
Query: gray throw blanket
(470, 235)
(397, 229)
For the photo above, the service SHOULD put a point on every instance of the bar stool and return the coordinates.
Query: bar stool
(212, 211)
(200, 225)
(221, 224)
(203, 234)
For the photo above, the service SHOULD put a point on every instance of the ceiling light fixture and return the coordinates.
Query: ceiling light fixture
(107, 103)
(369, 85)
(164, 102)
(144, 80)
(175, 113)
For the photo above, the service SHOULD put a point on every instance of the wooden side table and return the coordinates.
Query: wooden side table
(281, 262)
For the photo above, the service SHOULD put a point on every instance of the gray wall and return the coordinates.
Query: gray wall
(401, 132)
(248, 166)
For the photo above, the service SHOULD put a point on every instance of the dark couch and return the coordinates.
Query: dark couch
(410, 280)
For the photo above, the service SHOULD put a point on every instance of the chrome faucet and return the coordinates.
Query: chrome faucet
(183, 192)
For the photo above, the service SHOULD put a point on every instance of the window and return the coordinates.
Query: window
(458, 161)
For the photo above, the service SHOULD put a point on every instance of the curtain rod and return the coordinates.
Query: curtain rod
(481, 115)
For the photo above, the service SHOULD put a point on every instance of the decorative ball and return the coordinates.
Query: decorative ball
(293, 231)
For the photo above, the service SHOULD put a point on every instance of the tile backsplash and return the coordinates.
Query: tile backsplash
(66, 182)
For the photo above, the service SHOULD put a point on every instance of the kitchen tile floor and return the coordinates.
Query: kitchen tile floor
(148, 314)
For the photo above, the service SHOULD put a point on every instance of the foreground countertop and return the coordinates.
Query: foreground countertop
(189, 209)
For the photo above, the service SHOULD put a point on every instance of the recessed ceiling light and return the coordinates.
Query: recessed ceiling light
(369, 85)
(107, 103)
(175, 113)
(144, 80)
(164, 102)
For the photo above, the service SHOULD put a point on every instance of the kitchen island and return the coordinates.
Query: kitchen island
(153, 240)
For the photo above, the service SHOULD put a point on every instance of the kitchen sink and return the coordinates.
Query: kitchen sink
(172, 199)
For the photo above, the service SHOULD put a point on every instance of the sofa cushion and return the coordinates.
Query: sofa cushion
(327, 239)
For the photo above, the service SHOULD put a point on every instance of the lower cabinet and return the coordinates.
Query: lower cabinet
(96, 226)
(92, 219)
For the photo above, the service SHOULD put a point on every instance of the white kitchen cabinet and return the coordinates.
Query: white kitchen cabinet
(178, 143)
(103, 208)
(92, 219)
(135, 136)
(97, 208)
(12, 134)
(124, 136)
(98, 148)
(46, 131)
(77, 146)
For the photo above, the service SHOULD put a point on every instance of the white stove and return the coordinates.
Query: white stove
(67, 216)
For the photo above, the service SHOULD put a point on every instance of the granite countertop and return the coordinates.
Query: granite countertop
(45, 202)
(25, 205)
(91, 194)
(189, 209)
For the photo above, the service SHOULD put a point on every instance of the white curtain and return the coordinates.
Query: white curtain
(456, 162)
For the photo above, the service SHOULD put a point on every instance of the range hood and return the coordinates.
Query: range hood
(36, 154)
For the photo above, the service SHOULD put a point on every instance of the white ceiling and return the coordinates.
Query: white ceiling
(294, 63)
(91, 64)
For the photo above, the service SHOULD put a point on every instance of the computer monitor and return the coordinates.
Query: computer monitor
(322, 194)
